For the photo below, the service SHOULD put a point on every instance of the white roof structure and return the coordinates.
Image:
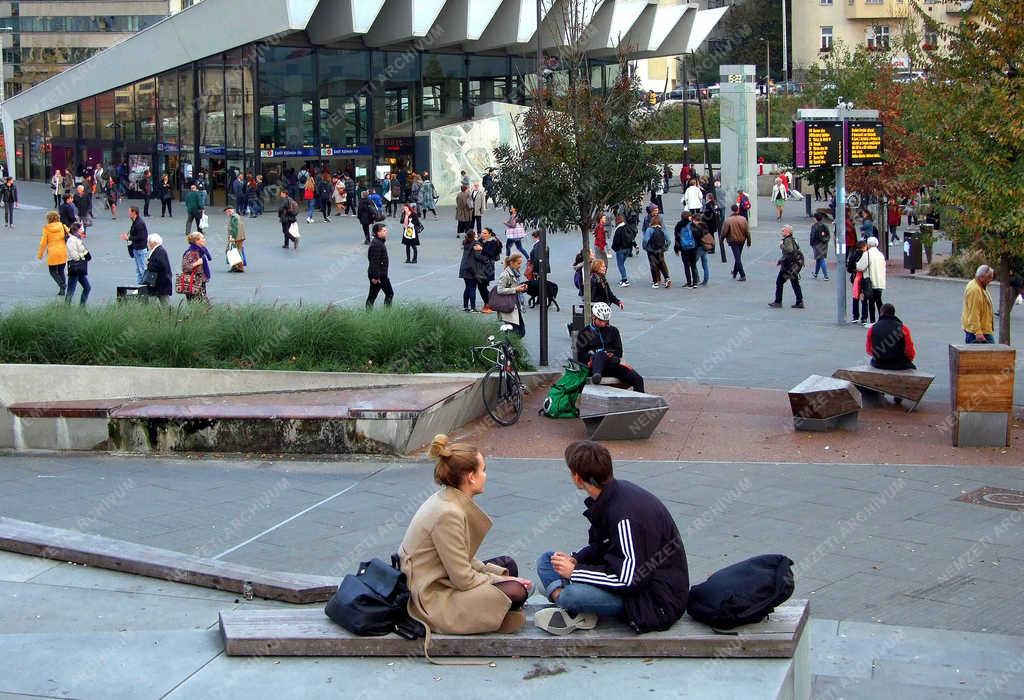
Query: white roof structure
(648, 27)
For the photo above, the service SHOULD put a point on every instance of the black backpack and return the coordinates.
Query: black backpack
(743, 593)
(658, 242)
(374, 602)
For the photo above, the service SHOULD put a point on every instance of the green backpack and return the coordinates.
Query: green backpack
(562, 397)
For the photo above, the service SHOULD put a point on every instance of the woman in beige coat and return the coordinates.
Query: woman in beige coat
(452, 591)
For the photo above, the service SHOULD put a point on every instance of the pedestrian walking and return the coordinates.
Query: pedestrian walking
(490, 187)
(685, 245)
(113, 196)
(779, 198)
(78, 265)
(166, 194)
(83, 204)
(736, 232)
(195, 206)
(977, 317)
(288, 215)
(68, 211)
(158, 269)
(655, 244)
(819, 245)
(309, 197)
(859, 306)
(467, 272)
(893, 216)
(743, 201)
(235, 228)
(623, 242)
(377, 269)
(146, 187)
(488, 251)
(463, 211)
(790, 264)
(340, 196)
(478, 199)
(53, 243)
(510, 282)
(324, 190)
(705, 246)
(366, 213)
(411, 228)
(693, 198)
(428, 193)
(514, 232)
(137, 237)
(600, 237)
(56, 188)
(872, 265)
(9, 200)
(196, 268)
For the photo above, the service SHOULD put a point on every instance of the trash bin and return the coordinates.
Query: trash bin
(133, 293)
(912, 251)
(981, 392)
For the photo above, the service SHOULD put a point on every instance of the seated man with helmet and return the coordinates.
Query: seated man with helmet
(599, 347)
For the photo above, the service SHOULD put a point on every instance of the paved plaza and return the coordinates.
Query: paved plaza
(913, 592)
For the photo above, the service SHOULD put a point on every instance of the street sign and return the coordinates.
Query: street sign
(864, 143)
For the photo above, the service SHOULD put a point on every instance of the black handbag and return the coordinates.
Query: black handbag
(78, 268)
(374, 601)
(149, 278)
(743, 593)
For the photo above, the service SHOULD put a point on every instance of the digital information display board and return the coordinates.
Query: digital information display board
(817, 143)
(864, 143)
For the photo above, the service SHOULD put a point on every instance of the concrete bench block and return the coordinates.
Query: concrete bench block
(610, 413)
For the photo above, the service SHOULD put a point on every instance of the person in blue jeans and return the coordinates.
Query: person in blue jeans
(622, 246)
(699, 229)
(634, 566)
(138, 240)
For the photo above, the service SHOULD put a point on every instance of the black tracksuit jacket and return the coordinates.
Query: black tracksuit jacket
(635, 551)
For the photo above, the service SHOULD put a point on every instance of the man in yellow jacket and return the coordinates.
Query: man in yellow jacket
(977, 314)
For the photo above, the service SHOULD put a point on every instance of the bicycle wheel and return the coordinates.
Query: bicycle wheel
(503, 397)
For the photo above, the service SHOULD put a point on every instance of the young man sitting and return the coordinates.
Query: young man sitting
(889, 343)
(599, 346)
(634, 566)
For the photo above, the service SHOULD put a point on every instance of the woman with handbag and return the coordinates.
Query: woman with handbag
(78, 264)
(54, 243)
(195, 269)
(158, 270)
(506, 294)
(309, 196)
(112, 197)
(340, 195)
(411, 228)
(56, 188)
(467, 273)
(166, 194)
(452, 591)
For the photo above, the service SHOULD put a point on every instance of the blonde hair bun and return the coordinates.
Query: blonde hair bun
(439, 446)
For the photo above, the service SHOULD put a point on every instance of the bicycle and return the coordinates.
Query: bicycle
(502, 388)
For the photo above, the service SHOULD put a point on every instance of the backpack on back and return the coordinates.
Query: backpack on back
(743, 593)
(374, 601)
(562, 397)
(657, 242)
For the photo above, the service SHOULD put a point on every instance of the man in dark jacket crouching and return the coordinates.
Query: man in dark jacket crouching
(634, 566)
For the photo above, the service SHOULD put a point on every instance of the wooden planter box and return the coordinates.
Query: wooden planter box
(981, 392)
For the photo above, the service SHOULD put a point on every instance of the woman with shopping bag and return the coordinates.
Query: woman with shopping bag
(235, 250)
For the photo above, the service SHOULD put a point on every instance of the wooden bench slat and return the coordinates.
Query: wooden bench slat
(60, 544)
(308, 632)
(909, 384)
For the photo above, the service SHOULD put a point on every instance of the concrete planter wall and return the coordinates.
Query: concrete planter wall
(58, 383)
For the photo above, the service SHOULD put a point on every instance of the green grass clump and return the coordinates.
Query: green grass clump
(403, 339)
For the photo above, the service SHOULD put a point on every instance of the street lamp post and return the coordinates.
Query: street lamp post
(542, 273)
(767, 86)
(686, 112)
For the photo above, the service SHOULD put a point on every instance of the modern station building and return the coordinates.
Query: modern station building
(229, 85)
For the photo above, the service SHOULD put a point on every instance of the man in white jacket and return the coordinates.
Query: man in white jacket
(872, 264)
(693, 198)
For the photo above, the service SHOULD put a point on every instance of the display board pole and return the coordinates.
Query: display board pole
(841, 252)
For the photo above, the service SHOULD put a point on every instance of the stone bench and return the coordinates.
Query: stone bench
(909, 384)
(309, 632)
(128, 557)
(823, 403)
(611, 413)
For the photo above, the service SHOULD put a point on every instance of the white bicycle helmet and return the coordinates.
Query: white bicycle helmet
(601, 311)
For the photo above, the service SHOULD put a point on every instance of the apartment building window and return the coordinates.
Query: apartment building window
(826, 3)
(878, 38)
(873, 2)
(931, 39)
(826, 38)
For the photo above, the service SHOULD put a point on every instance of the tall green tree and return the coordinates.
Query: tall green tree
(580, 149)
(743, 34)
(968, 126)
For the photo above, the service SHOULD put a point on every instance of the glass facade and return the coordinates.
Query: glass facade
(270, 109)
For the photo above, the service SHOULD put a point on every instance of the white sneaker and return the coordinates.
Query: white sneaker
(1020, 298)
(655, 286)
(625, 283)
(560, 622)
(868, 325)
